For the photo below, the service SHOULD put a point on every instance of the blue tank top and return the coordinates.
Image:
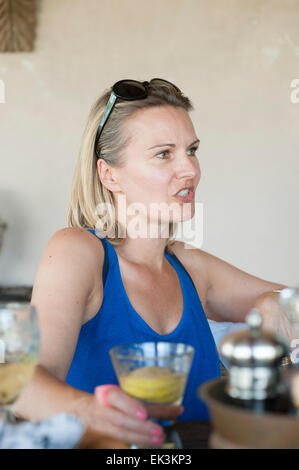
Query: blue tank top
(117, 322)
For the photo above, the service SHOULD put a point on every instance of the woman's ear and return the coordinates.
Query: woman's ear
(107, 176)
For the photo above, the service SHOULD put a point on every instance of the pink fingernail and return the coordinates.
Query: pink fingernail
(157, 432)
(158, 440)
(141, 414)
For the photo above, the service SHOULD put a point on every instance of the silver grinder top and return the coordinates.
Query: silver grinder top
(254, 357)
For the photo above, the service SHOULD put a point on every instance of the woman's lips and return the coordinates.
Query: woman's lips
(187, 198)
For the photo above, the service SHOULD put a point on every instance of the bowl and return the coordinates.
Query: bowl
(236, 428)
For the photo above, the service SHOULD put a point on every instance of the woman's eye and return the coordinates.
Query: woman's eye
(193, 150)
(165, 152)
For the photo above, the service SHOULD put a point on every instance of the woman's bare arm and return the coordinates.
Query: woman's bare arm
(63, 284)
(231, 292)
(46, 396)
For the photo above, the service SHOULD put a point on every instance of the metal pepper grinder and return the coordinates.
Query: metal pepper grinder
(254, 380)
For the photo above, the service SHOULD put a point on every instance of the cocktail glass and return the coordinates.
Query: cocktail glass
(19, 346)
(156, 374)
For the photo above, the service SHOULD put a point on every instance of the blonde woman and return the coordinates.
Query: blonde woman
(110, 278)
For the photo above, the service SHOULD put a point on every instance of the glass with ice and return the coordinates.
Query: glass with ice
(154, 373)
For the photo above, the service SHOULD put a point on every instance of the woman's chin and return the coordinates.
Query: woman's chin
(186, 213)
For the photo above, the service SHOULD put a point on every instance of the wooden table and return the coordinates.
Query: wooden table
(193, 434)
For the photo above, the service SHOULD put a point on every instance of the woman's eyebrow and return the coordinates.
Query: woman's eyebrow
(197, 141)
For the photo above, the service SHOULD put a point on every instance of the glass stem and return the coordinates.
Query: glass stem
(7, 415)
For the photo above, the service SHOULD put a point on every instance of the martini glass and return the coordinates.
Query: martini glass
(156, 374)
(19, 346)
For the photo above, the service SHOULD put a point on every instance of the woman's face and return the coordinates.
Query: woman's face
(160, 161)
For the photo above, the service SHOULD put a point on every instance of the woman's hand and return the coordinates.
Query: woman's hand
(115, 414)
(274, 318)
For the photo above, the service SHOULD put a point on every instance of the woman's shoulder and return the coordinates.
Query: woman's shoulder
(77, 238)
(194, 261)
(189, 255)
(75, 257)
(77, 246)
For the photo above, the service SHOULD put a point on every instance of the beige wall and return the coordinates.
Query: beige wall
(235, 59)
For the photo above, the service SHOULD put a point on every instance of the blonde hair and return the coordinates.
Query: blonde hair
(87, 189)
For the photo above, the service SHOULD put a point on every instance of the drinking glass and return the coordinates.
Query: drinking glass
(19, 346)
(156, 374)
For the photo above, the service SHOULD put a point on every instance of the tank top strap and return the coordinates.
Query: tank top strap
(180, 264)
(109, 256)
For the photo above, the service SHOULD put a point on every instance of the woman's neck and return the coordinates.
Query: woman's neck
(144, 251)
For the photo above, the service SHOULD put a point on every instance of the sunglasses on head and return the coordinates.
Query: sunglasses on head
(128, 90)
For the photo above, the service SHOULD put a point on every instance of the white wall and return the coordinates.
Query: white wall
(235, 59)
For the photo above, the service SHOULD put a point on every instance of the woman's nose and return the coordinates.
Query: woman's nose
(187, 167)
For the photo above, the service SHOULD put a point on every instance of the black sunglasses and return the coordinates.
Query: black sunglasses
(128, 90)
